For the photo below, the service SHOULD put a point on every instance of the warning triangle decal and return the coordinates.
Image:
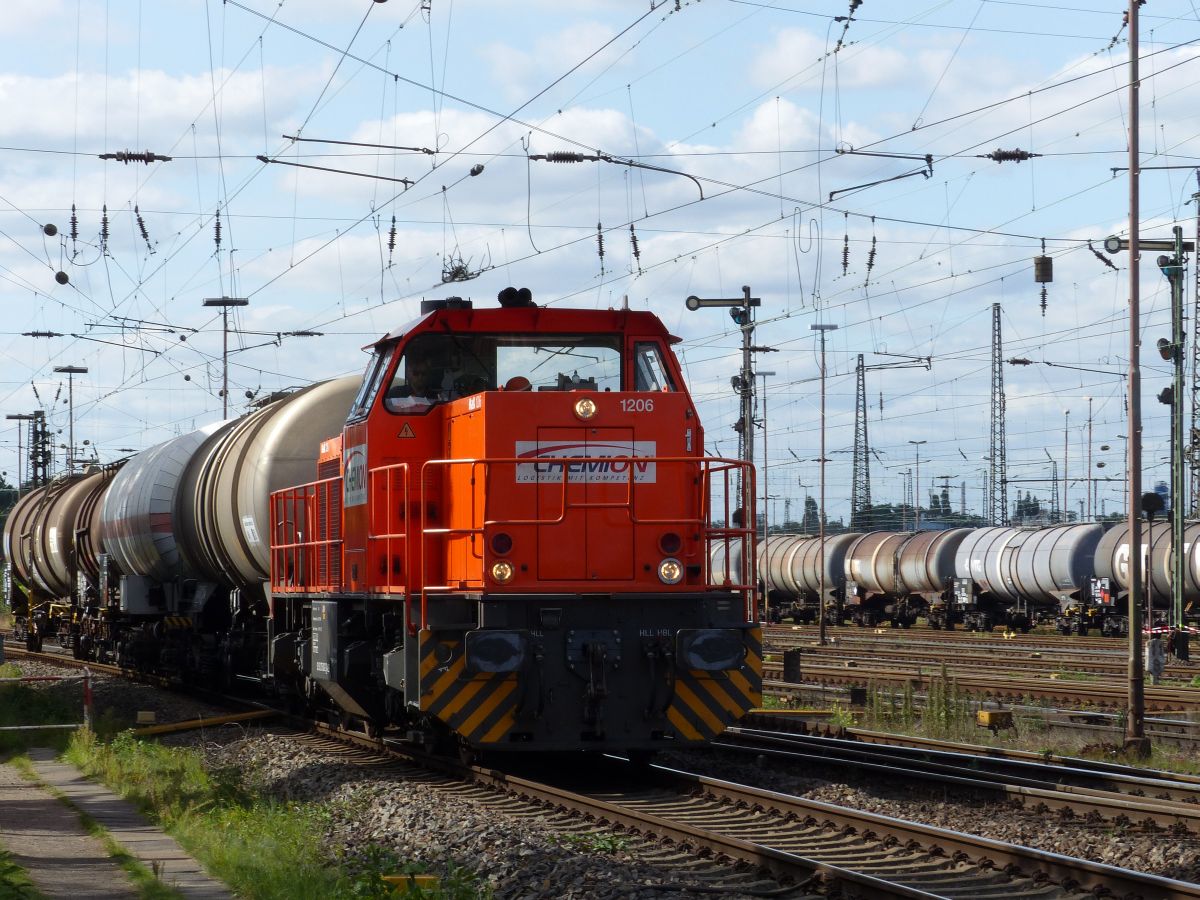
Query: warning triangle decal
(406, 431)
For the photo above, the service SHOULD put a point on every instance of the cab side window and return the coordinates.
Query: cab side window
(431, 370)
(370, 384)
(650, 373)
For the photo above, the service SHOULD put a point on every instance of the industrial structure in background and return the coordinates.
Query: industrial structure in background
(860, 490)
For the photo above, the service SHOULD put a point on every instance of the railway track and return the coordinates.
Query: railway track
(864, 852)
(806, 843)
(987, 659)
(1095, 694)
(1076, 789)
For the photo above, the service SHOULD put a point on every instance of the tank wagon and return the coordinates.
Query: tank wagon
(499, 537)
(976, 577)
(798, 573)
(1110, 584)
(1013, 576)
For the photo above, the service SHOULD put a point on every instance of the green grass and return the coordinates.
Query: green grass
(261, 847)
(596, 842)
(44, 704)
(14, 883)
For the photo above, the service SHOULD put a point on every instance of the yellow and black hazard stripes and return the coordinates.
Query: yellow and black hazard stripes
(481, 707)
(706, 703)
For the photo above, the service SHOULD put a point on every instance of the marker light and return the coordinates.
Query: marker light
(502, 543)
(502, 572)
(585, 408)
(670, 571)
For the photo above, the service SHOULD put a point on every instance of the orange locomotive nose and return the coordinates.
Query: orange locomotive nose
(515, 549)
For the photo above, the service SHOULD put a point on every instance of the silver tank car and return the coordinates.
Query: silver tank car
(1112, 560)
(138, 514)
(985, 557)
(1055, 563)
(897, 563)
(795, 565)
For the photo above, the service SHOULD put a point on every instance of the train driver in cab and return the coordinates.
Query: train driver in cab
(422, 379)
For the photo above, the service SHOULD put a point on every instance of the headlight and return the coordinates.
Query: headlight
(710, 649)
(585, 408)
(495, 651)
(503, 571)
(670, 571)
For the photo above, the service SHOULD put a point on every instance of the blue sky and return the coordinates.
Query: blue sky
(753, 100)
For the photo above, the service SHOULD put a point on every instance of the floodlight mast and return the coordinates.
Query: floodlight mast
(741, 309)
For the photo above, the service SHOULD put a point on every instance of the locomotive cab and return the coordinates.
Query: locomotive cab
(515, 549)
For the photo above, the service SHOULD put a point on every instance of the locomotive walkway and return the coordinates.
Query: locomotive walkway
(46, 838)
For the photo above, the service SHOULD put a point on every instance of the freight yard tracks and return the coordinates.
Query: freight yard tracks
(1140, 797)
(865, 853)
(861, 853)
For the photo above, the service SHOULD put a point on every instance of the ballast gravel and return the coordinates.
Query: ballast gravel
(514, 849)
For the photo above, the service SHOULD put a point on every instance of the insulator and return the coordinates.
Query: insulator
(600, 238)
(1043, 301)
(392, 236)
(871, 257)
(637, 253)
(104, 227)
(845, 253)
(74, 224)
(1016, 155)
(141, 223)
(128, 156)
(564, 156)
(217, 229)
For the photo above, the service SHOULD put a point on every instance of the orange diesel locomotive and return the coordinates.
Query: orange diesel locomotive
(508, 543)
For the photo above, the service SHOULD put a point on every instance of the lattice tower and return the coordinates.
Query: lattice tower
(998, 501)
(860, 490)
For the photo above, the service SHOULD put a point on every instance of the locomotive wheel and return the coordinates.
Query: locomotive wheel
(469, 755)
